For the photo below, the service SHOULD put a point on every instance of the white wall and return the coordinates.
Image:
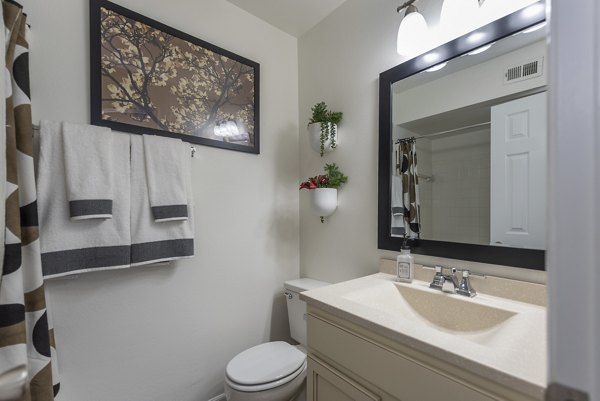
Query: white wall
(340, 61)
(166, 333)
(574, 185)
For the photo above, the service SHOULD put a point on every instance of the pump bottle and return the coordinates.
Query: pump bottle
(405, 265)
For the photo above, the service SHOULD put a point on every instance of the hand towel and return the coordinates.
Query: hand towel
(397, 196)
(398, 228)
(153, 241)
(164, 160)
(89, 168)
(76, 246)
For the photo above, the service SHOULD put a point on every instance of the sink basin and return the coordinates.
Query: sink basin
(504, 337)
(423, 305)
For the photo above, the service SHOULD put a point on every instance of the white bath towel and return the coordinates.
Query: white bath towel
(89, 169)
(398, 228)
(165, 159)
(153, 241)
(70, 247)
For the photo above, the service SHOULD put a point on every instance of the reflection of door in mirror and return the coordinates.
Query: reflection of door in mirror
(518, 173)
(480, 140)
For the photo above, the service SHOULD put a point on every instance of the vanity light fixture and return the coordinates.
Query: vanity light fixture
(413, 32)
(459, 16)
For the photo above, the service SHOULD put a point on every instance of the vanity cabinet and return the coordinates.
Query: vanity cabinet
(329, 384)
(349, 362)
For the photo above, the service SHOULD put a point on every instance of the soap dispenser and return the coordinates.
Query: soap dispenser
(405, 269)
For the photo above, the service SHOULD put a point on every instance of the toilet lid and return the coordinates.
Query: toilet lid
(265, 363)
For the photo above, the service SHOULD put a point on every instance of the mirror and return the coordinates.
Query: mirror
(462, 155)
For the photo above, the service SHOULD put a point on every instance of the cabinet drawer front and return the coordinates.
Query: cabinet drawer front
(404, 378)
(327, 384)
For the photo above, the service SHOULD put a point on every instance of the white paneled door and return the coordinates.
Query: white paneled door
(518, 173)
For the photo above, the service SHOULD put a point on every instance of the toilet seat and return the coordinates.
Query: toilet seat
(265, 366)
(266, 386)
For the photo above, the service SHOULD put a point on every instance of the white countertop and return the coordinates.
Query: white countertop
(512, 354)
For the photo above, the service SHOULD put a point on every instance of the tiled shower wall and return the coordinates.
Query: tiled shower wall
(460, 191)
(424, 166)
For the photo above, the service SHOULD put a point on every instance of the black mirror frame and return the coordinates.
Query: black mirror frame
(517, 257)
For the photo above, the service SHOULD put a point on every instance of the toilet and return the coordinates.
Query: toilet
(274, 371)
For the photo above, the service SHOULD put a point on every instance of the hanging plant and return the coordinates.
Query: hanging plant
(324, 190)
(328, 121)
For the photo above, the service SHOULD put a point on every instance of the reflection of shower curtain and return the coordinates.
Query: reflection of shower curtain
(26, 339)
(406, 169)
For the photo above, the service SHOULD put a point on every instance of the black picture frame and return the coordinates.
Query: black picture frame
(133, 107)
(516, 257)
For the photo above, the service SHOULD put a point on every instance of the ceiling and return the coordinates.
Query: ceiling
(295, 17)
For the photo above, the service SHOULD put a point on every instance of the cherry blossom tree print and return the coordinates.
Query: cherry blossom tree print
(153, 79)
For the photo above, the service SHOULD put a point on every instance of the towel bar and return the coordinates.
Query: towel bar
(36, 127)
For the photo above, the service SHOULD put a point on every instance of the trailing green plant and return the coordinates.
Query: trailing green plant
(328, 121)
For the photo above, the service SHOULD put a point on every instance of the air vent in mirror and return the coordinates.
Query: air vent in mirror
(530, 69)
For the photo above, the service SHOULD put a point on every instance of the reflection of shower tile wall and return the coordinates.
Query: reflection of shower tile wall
(461, 189)
(425, 190)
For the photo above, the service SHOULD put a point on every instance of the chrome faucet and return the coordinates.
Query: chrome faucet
(449, 282)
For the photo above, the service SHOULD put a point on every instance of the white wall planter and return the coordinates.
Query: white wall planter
(314, 136)
(323, 201)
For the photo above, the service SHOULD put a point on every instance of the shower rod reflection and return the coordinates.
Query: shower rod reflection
(414, 138)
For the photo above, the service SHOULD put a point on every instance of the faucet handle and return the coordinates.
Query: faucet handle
(465, 287)
(438, 279)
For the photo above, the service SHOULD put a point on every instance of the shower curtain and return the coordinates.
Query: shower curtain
(26, 338)
(406, 169)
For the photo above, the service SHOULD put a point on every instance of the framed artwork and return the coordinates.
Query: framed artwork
(148, 78)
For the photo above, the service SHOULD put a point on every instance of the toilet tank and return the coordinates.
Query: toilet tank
(296, 307)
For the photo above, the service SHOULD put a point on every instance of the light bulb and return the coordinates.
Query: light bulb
(413, 33)
(458, 17)
(492, 10)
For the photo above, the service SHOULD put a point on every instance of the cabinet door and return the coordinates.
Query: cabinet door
(326, 384)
